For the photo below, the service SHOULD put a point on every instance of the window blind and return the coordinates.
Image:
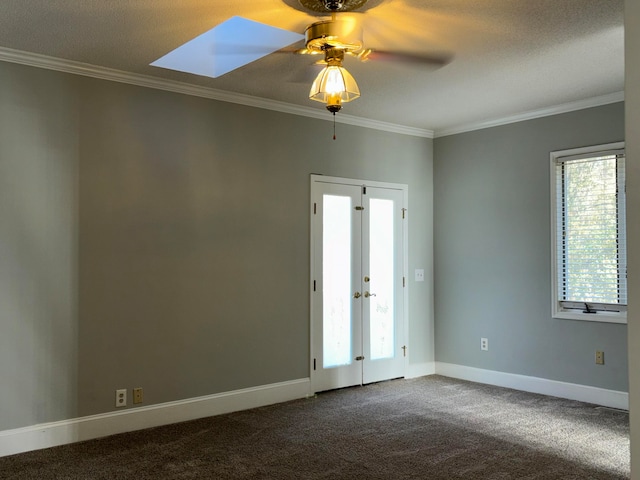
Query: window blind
(591, 231)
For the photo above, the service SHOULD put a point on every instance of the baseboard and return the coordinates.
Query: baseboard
(95, 426)
(583, 393)
(415, 370)
(86, 428)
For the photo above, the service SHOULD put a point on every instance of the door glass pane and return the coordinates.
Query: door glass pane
(336, 271)
(381, 267)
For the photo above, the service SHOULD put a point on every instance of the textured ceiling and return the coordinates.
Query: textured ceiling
(509, 56)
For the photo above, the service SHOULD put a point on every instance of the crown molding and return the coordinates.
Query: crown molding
(103, 73)
(530, 115)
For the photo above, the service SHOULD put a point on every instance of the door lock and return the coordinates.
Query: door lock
(357, 295)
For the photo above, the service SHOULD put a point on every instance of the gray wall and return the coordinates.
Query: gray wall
(159, 240)
(38, 247)
(632, 125)
(492, 253)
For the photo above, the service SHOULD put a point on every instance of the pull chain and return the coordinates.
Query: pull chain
(334, 125)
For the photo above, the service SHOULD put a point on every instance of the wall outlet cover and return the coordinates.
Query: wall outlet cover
(121, 397)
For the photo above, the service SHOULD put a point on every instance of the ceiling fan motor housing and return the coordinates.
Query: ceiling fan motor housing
(333, 5)
(342, 34)
(324, 6)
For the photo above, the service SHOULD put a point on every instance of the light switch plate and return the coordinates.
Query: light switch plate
(419, 275)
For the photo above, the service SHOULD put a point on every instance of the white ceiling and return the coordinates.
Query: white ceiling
(510, 57)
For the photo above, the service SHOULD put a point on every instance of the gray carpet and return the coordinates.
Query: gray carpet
(426, 428)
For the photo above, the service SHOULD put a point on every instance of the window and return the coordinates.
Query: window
(589, 234)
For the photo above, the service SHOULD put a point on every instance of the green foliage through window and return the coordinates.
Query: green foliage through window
(590, 230)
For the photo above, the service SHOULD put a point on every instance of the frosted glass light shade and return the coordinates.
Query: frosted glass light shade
(334, 85)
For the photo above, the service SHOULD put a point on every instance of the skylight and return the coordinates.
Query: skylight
(229, 45)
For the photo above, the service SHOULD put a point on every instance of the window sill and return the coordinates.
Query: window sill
(602, 317)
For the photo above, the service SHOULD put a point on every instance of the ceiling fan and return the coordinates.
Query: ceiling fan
(333, 39)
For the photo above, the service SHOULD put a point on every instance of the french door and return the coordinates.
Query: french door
(358, 264)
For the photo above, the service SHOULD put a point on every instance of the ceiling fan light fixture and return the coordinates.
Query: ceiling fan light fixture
(334, 86)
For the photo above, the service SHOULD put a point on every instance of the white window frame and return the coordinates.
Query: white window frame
(558, 309)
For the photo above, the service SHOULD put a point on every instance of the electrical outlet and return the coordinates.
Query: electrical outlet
(137, 395)
(121, 397)
(484, 344)
(599, 357)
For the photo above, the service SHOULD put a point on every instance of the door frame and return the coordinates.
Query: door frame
(316, 178)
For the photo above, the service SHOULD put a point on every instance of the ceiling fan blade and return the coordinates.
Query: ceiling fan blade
(410, 58)
(254, 49)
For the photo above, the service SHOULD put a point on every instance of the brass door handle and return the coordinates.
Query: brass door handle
(367, 294)
(357, 295)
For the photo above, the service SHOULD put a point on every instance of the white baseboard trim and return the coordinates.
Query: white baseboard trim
(415, 370)
(95, 426)
(86, 428)
(554, 388)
